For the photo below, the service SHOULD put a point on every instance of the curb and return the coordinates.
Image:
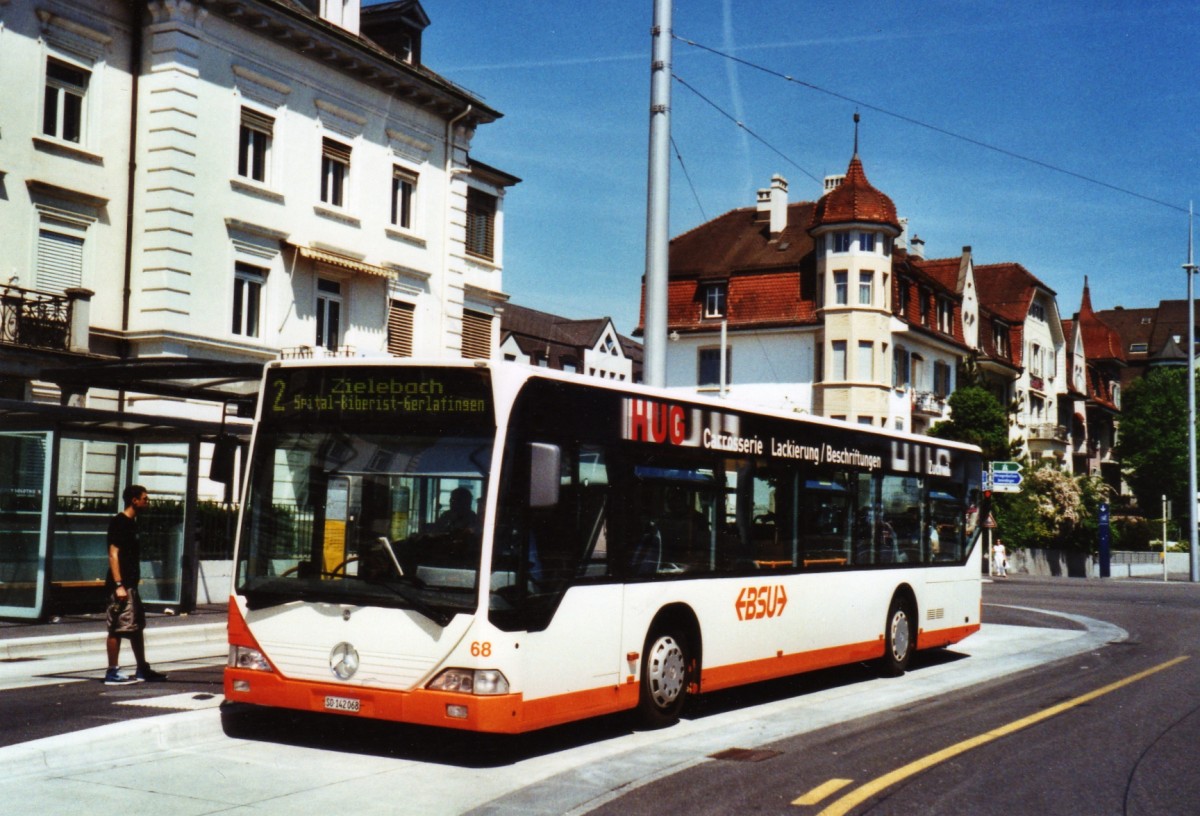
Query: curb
(81, 751)
(71, 644)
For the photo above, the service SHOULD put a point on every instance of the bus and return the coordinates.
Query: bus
(495, 547)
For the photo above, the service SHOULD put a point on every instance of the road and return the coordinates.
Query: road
(1095, 712)
(1111, 730)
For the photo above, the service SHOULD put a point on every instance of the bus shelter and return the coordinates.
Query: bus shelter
(63, 469)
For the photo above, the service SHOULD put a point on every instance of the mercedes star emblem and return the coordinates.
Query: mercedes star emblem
(343, 661)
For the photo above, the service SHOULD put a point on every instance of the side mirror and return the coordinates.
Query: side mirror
(544, 474)
(224, 453)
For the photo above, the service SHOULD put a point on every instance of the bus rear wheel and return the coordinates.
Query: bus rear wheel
(666, 675)
(899, 637)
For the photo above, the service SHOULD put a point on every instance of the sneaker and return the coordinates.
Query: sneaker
(113, 677)
(149, 675)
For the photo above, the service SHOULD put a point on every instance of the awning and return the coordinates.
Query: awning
(344, 262)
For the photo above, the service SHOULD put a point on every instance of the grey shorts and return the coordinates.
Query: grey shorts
(126, 617)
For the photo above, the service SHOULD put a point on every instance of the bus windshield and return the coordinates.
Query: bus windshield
(381, 507)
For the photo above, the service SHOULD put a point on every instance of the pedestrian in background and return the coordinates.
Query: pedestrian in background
(1000, 559)
(126, 617)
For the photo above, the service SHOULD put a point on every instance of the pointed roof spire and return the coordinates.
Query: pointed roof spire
(1100, 340)
(856, 121)
(855, 201)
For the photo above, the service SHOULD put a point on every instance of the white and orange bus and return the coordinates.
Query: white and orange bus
(502, 548)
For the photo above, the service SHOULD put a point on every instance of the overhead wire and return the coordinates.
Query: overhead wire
(688, 176)
(743, 126)
(918, 123)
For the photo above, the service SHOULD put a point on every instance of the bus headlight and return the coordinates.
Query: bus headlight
(470, 681)
(243, 657)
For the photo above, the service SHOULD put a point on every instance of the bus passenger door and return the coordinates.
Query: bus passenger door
(552, 577)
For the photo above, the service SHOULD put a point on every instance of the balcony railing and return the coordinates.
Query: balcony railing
(35, 319)
(1048, 432)
(315, 352)
(927, 402)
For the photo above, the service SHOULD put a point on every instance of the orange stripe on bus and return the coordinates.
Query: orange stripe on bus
(512, 713)
(944, 637)
(753, 671)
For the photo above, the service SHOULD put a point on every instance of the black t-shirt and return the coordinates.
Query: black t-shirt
(122, 534)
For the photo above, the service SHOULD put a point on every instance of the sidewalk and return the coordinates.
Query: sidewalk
(72, 634)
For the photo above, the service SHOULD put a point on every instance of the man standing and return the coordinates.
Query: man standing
(126, 616)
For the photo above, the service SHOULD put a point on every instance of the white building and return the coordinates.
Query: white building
(191, 188)
(237, 179)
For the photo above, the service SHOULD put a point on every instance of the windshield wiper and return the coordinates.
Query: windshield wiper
(439, 616)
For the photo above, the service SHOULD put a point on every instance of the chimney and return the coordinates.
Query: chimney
(916, 247)
(833, 182)
(901, 241)
(779, 204)
(763, 210)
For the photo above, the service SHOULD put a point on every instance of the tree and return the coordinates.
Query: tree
(1054, 509)
(1153, 441)
(977, 417)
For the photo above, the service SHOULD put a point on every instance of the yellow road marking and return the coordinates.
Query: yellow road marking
(819, 793)
(882, 783)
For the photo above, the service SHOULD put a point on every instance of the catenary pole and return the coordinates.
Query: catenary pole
(1190, 268)
(658, 199)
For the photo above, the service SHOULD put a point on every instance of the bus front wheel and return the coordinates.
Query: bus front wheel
(666, 675)
(899, 638)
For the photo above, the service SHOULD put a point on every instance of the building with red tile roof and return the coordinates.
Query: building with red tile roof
(830, 307)
(825, 308)
(1096, 363)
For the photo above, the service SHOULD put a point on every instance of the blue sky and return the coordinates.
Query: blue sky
(1105, 90)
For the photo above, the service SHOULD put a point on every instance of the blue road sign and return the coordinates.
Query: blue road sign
(1007, 478)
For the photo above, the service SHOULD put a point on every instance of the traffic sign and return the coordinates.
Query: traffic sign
(1006, 482)
(1005, 467)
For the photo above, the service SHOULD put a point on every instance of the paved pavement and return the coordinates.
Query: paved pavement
(169, 763)
(81, 634)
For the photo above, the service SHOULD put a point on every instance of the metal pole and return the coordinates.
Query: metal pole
(724, 370)
(1164, 515)
(1191, 354)
(658, 199)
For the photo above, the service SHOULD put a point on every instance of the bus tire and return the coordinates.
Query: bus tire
(899, 638)
(667, 666)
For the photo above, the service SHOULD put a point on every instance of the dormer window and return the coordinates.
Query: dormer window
(1001, 342)
(1037, 311)
(945, 315)
(714, 300)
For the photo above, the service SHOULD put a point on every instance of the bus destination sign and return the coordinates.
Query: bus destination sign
(375, 392)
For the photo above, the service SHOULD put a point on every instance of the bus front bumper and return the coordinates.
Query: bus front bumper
(495, 713)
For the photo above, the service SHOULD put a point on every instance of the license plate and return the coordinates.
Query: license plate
(342, 704)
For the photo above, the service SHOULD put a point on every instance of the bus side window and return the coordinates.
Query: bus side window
(769, 505)
(824, 510)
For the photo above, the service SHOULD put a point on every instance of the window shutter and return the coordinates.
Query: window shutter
(258, 121)
(400, 329)
(481, 219)
(60, 261)
(335, 150)
(477, 335)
